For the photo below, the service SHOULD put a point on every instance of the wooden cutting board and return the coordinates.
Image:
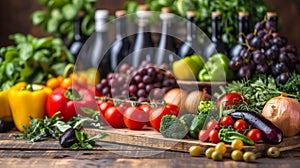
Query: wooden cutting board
(151, 138)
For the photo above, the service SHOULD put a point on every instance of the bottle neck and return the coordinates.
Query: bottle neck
(121, 28)
(243, 27)
(191, 29)
(78, 31)
(100, 25)
(216, 29)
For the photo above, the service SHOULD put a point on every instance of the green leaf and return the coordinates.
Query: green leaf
(9, 69)
(58, 68)
(26, 51)
(38, 18)
(10, 55)
(43, 43)
(26, 72)
(78, 4)
(37, 77)
(66, 27)
(56, 14)
(18, 38)
(88, 25)
(52, 25)
(69, 12)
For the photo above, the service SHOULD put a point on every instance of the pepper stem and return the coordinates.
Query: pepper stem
(73, 94)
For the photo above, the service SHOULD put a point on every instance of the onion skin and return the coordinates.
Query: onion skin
(177, 97)
(284, 112)
(193, 99)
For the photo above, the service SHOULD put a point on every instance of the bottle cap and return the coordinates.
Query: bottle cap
(271, 14)
(243, 14)
(216, 13)
(191, 13)
(165, 10)
(101, 14)
(143, 7)
(120, 13)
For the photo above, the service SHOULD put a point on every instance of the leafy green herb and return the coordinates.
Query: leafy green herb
(54, 127)
(262, 88)
(59, 16)
(32, 60)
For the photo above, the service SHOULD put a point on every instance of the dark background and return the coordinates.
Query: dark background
(15, 17)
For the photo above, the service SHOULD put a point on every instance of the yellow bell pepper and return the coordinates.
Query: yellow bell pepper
(27, 100)
(5, 111)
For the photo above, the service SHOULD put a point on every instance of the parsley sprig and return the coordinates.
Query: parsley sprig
(54, 127)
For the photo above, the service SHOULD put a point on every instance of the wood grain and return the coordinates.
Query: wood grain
(150, 138)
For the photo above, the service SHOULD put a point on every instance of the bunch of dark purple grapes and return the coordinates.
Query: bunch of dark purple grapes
(266, 52)
(142, 83)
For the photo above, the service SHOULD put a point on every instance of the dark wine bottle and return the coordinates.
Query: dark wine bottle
(121, 45)
(243, 26)
(191, 44)
(216, 44)
(272, 21)
(166, 49)
(79, 38)
(142, 43)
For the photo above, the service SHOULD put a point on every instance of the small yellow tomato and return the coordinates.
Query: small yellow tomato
(195, 150)
(221, 147)
(237, 155)
(237, 144)
(209, 151)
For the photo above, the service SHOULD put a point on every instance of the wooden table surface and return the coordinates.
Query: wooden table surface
(48, 153)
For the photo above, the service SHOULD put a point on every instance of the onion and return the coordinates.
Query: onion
(193, 99)
(176, 96)
(284, 112)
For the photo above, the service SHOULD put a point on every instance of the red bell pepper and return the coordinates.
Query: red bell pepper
(69, 101)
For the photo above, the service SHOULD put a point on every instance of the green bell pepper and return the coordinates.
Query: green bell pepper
(216, 69)
(228, 135)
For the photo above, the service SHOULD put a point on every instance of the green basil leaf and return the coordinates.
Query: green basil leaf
(38, 18)
(88, 25)
(66, 27)
(52, 25)
(69, 12)
(78, 4)
(37, 77)
(45, 62)
(9, 69)
(56, 14)
(131, 7)
(43, 43)
(26, 51)
(10, 55)
(58, 68)
(18, 38)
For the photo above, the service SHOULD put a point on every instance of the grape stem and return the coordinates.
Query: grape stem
(118, 101)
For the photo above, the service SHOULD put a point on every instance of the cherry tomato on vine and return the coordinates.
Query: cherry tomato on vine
(123, 107)
(203, 135)
(135, 118)
(156, 115)
(173, 108)
(232, 99)
(103, 106)
(146, 108)
(226, 120)
(240, 124)
(254, 134)
(113, 116)
(214, 136)
(212, 124)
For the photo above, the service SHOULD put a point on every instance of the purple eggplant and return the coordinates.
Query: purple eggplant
(270, 133)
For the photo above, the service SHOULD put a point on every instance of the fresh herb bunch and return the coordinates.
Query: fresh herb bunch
(229, 9)
(261, 88)
(59, 16)
(32, 60)
(54, 127)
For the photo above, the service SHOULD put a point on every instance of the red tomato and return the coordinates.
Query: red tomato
(226, 120)
(214, 136)
(173, 108)
(123, 107)
(114, 117)
(240, 124)
(156, 115)
(203, 135)
(231, 99)
(212, 124)
(104, 106)
(146, 108)
(254, 134)
(135, 118)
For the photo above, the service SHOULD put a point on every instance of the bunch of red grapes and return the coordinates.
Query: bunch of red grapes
(266, 52)
(142, 83)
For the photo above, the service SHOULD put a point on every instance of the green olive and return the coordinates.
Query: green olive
(209, 151)
(273, 152)
(249, 157)
(216, 155)
(195, 150)
(237, 155)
